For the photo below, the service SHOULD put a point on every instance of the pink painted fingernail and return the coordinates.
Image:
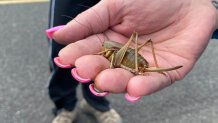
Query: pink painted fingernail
(49, 32)
(78, 78)
(59, 64)
(96, 92)
(131, 98)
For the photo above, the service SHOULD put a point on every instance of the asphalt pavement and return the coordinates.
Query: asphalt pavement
(24, 73)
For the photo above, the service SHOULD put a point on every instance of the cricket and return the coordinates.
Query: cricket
(122, 56)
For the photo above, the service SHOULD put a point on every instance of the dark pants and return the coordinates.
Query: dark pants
(62, 87)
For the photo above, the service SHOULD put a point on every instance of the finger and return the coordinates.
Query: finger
(89, 66)
(92, 21)
(113, 80)
(71, 52)
(147, 84)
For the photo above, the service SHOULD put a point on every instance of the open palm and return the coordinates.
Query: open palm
(180, 31)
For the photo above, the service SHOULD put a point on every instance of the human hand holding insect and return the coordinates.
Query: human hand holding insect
(180, 33)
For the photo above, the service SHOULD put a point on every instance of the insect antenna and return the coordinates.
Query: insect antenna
(91, 31)
(67, 16)
(105, 37)
(93, 11)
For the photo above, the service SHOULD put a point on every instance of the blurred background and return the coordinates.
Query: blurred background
(24, 73)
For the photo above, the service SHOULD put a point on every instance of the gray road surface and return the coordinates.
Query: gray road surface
(24, 74)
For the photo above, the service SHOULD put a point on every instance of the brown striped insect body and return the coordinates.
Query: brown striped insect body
(122, 56)
(128, 61)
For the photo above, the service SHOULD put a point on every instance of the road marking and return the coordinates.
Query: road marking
(21, 1)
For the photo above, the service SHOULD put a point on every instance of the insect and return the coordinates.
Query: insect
(122, 56)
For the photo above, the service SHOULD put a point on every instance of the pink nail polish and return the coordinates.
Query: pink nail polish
(131, 98)
(78, 78)
(93, 90)
(59, 64)
(49, 32)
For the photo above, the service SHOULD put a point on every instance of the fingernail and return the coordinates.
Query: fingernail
(49, 32)
(131, 98)
(59, 64)
(78, 78)
(96, 92)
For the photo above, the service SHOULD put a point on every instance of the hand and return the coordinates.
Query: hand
(180, 31)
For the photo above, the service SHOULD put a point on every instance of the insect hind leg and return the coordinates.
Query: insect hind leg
(152, 49)
(136, 54)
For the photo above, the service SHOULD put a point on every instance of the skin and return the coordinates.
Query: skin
(179, 29)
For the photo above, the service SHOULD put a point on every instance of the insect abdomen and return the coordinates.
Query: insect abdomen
(129, 60)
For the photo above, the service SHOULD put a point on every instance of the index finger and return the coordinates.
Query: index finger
(73, 51)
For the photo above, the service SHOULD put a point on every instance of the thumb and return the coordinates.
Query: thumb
(92, 21)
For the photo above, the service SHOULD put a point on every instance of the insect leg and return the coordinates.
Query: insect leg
(102, 52)
(142, 45)
(136, 54)
(112, 60)
(122, 51)
(154, 69)
(153, 53)
(152, 49)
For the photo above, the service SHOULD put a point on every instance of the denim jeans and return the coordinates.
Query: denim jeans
(62, 86)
